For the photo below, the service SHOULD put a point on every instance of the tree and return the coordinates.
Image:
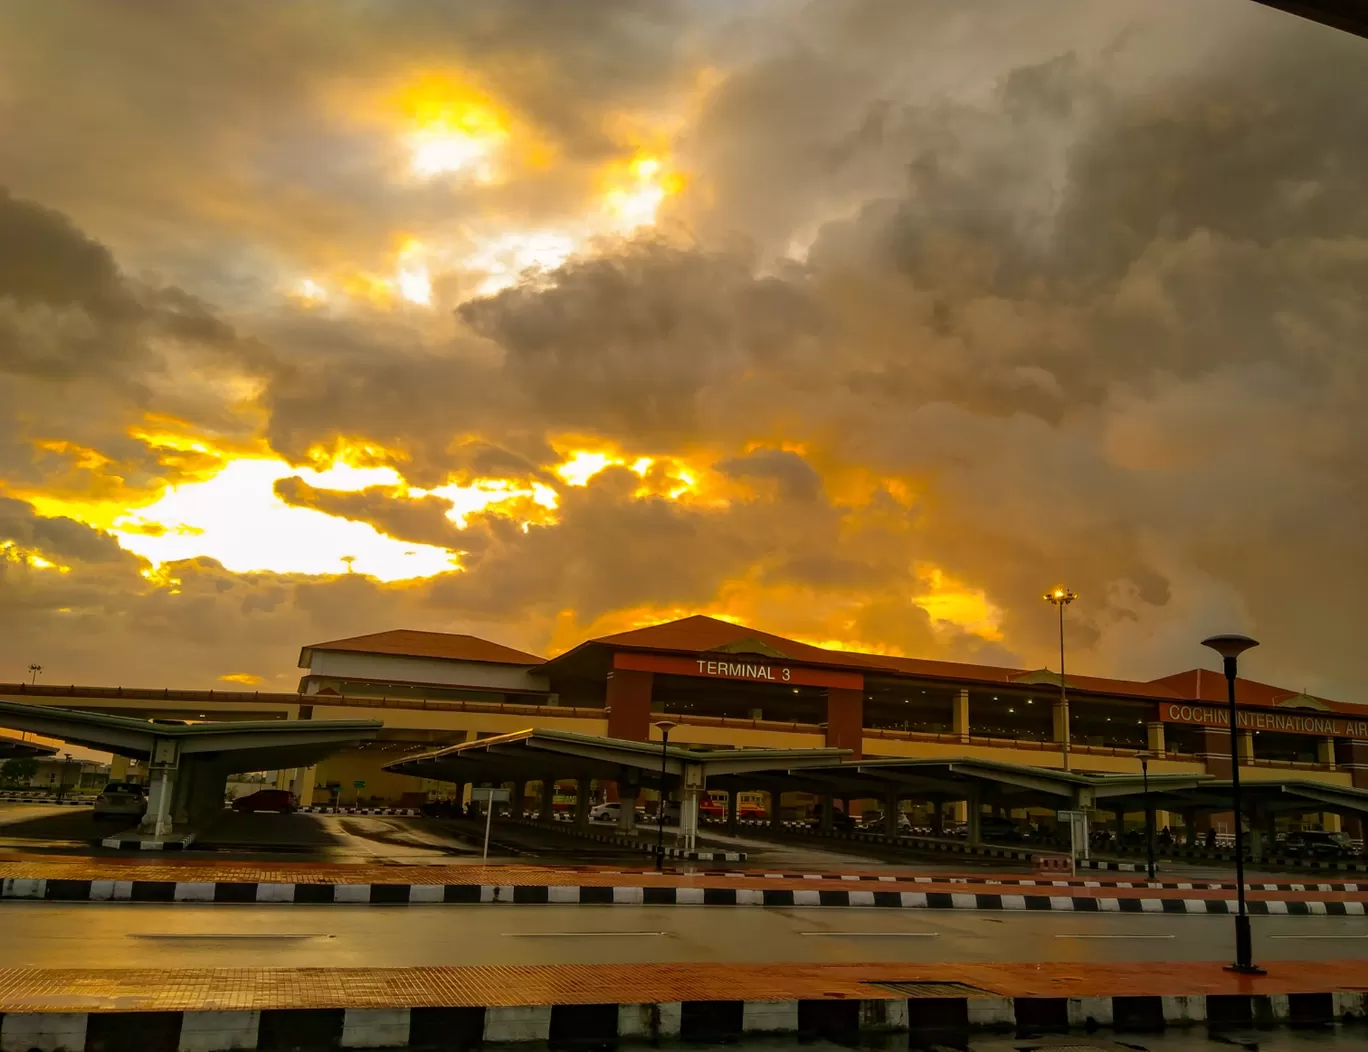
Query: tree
(20, 769)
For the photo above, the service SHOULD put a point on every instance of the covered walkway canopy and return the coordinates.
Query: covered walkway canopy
(548, 756)
(190, 762)
(534, 755)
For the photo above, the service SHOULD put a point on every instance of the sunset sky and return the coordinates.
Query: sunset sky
(862, 322)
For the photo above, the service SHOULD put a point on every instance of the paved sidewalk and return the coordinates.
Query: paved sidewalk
(238, 989)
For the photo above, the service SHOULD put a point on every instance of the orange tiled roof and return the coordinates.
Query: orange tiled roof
(699, 633)
(410, 643)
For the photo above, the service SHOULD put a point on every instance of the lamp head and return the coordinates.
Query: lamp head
(1229, 646)
(665, 726)
(1060, 596)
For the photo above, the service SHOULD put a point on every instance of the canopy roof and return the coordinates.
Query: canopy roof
(235, 746)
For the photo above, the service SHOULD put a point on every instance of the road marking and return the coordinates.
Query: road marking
(877, 934)
(229, 935)
(1115, 936)
(1318, 936)
(579, 934)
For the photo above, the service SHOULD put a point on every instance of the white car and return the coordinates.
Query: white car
(605, 812)
(874, 820)
(121, 800)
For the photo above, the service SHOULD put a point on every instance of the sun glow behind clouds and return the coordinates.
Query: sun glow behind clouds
(452, 127)
(236, 518)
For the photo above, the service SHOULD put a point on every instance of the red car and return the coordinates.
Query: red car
(267, 800)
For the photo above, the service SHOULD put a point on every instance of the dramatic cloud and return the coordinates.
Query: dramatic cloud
(863, 322)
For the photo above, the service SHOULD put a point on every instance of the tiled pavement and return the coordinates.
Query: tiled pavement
(255, 989)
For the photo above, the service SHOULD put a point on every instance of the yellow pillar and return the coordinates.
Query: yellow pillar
(1246, 746)
(118, 768)
(1155, 738)
(1325, 753)
(1330, 822)
(961, 716)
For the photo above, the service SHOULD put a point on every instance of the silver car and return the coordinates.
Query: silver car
(121, 800)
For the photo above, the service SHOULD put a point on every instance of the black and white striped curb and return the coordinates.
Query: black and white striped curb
(631, 843)
(19, 798)
(126, 843)
(325, 810)
(67, 890)
(466, 1028)
(1170, 885)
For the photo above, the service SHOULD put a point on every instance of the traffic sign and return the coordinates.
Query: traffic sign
(494, 796)
(358, 785)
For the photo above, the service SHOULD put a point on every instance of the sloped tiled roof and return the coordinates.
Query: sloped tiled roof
(450, 646)
(699, 633)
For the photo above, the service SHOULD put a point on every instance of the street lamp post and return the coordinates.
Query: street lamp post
(33, 672)
(1062, 597)
(664, 726)
(1149, 815)
(1230, 648)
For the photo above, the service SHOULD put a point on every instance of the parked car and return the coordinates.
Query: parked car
(874, 822)
(1317, 844)
(442, 809)
(993, 828)
(121, 800)
(839, 819)
(268, 800)
(610, 812)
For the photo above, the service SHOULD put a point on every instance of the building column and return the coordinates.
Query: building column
(628, 700)
(582, 789)
(303, 785)
(1352, 755)
(627, 797)
(776, 804)
(891, 805)
(1155, 738)
(1190, 828)
(118, 768)
(733, 809)
(937, 819)
(546, 808)
(1330, 822)
(1213, 745)
(845, 720)
(973, 833)
(961, 714)
(285, 776)
(1246, 743)
(1325, 752)
(826, 820)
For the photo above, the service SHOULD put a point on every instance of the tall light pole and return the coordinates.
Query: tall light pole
(1062, 597)
(1230, 648)
(33, 673)
(664, 726)
(1149, 814)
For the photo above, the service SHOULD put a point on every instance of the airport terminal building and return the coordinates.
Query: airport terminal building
(728, 685)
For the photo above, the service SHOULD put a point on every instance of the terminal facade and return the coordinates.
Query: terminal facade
(725, 685)
(728, 685)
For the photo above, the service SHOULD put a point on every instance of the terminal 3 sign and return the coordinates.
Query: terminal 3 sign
(751, 668)
(1266, 720)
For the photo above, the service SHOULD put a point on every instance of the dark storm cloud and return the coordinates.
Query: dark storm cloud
(86, 353)
(56, 539)
(421, 520)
